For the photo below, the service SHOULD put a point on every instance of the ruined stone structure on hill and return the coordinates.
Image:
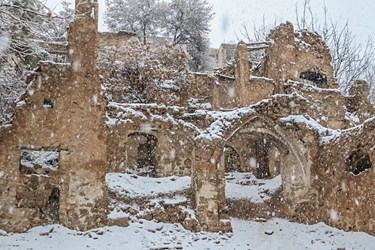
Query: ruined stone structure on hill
(282, 117)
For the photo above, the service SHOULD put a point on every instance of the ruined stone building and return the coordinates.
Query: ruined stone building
(281, 116)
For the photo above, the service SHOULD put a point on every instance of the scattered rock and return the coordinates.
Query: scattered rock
(121, 222)
(269, 232)
(47, 233)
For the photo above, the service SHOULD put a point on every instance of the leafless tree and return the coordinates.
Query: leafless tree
(183, 22)
(26, 26)
(351, 60)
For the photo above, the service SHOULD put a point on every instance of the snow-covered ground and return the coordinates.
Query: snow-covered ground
(135, 186)
(247, 186)
(143, 234)
(270, 235)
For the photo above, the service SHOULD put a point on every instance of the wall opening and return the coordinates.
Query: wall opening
(50, 212)
(358, 162)
(314, 76)
(231, 159)
(47, 104)
(141, 152)
(39, 161)
(263, 170)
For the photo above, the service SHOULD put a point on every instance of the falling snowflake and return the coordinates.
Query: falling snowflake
(334, 215)
(146, 128)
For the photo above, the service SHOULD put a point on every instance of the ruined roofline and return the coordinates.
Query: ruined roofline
(118, 33)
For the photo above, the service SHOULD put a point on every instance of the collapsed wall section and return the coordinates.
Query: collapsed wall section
(345, 179)
(55, 158)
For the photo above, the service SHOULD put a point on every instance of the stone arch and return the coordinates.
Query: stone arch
(294, 165)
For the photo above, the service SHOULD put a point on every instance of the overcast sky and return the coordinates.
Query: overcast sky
(230, 14)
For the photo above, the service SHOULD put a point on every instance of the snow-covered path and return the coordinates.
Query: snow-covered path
(270, 235)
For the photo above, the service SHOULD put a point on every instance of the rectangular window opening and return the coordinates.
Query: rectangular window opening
(47, 104)
(39, 161)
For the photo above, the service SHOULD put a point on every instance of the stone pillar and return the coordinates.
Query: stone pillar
(83, 35)
(242, 70)
(209, 187)
(84, 195)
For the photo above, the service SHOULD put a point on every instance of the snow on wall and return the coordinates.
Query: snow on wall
(247, 186)
(135, 186)
(325, 134)
(48, 160)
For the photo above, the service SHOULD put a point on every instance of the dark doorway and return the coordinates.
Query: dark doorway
(142, 154)
(50, 212)
(231, 159)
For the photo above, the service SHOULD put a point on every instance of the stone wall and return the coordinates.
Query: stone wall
(118, 39)
(61, 114)
(291, 54)
(271, 124)
(344, 181)
(150, 140)
(327, 106)
(241, 89)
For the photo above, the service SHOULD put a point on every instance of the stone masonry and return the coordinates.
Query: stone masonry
(281, 116)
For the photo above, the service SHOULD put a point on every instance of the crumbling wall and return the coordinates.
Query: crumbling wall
(358, 103)
(173, 146)
(241, 89)
(62, 113)
(118, 39)
(345, 180)
(292, 56)
(225, 53)
(208, 183)
(326, 106)
(200, 91)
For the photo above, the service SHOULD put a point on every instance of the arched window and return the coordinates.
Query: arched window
(358, 162)
(314, 76)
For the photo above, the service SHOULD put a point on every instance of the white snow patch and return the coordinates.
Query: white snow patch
(21, 103)
(152, 235)
(95, 99)
(172, 201)
(30, 91)
(253, 162)
(137, 186)
(145, 128)
(48, 160)
(167, 84)
(4, 42)
(117, 214)
(172, 154)
(76, 65)
(334, 215)
(232, 92)
(326, 134)
(352, 117)
(247, 186)
(92, 15)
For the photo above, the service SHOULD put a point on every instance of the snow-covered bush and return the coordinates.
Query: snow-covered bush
(130, 71)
